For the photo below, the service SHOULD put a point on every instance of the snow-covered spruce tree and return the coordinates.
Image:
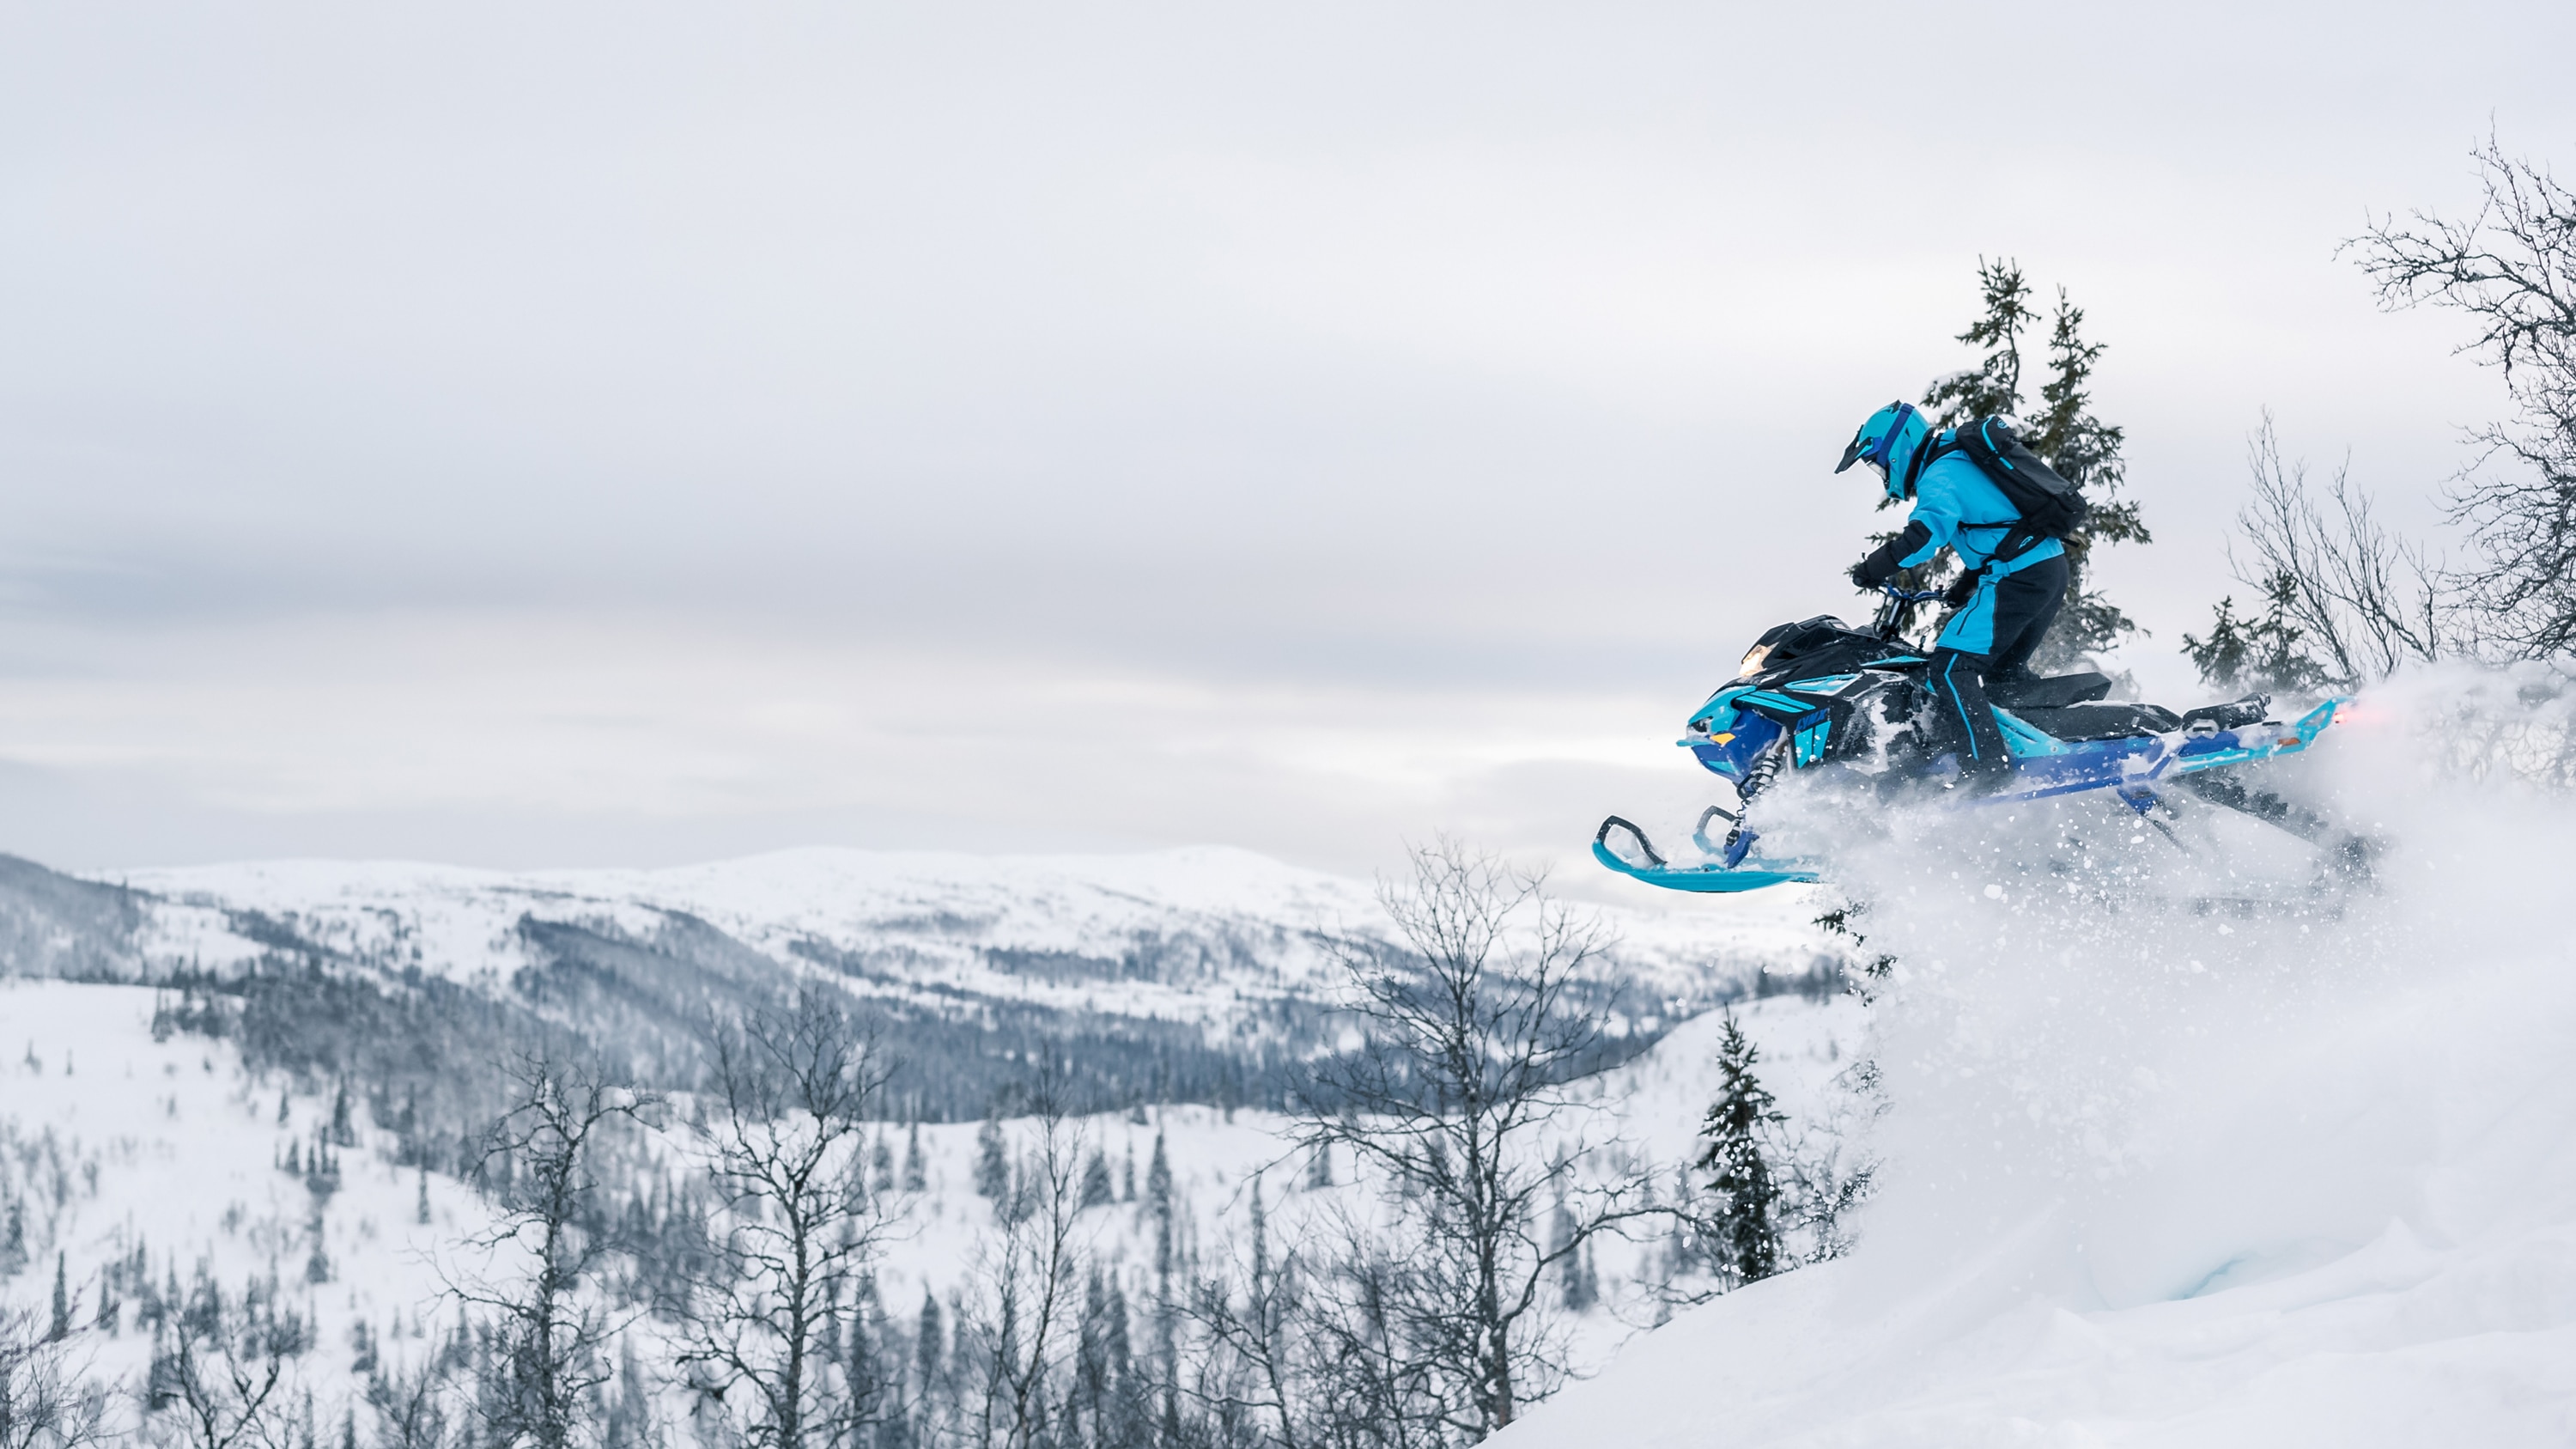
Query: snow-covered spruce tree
(2263, 651)
(1994, 384)
(2086, 452)
(2080, 446)
(916, 1168)
(1745, 1225)
(929, 1385)
(1097, 1190)
(992, 1160)
(795, 1229)
(13, 1238)
(863, 1346)
(61, 1324)
(1108, 1406)
(1166, 1343)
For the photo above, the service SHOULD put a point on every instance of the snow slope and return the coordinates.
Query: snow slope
(2282, 1171)
(117, 1140)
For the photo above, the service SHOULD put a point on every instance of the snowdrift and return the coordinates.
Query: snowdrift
(2186, 1155)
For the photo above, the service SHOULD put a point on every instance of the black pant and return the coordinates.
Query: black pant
(2025, 604)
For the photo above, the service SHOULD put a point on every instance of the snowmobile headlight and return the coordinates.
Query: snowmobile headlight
(1753, 658)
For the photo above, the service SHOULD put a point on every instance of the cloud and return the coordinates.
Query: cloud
(474, 409)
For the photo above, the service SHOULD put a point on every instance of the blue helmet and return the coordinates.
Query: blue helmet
(1891, 441)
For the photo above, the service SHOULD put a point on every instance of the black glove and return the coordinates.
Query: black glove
(1886, 560)
(1962, 589)
(1881, 565)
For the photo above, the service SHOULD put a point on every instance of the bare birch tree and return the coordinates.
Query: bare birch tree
(2357, 599)
(2511, 268)
(553, 1327)
(785, 1138)
(45, 1402)
(1456, 1108)
(225, 1376)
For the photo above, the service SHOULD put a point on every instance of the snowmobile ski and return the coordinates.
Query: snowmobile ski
(1717, 876)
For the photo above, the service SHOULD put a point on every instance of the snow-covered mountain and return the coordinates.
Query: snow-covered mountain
(1181, 975)
(1181, 935)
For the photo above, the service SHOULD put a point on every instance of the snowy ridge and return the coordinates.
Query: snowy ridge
(1184, 935)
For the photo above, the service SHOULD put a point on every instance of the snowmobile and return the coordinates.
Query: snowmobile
(1820, 695)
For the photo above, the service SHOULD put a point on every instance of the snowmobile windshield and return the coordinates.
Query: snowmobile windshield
(1753, 658)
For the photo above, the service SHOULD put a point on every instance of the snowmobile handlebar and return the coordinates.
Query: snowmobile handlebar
(1900, 602)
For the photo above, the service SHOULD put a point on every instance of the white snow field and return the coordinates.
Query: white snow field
(2182, 1160)
(116, 1140)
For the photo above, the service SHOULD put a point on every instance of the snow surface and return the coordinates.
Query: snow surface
(2180, 1156)
(118, 1139)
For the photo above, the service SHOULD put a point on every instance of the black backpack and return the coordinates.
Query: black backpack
(2050, 507)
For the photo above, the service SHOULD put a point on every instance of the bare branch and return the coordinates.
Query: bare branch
(2512, 269)
(797, 1227)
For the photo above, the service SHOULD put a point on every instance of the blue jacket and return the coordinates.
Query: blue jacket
(1959, 506)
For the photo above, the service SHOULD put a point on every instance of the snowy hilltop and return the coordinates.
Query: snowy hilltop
(1173, 976)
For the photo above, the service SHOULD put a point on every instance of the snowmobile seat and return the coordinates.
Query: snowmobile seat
(2018, 692)
(2235, 714)
(2076, 723)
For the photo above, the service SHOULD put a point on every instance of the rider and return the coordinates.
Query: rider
(2009, 603)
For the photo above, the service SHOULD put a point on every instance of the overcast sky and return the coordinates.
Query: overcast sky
(628, 433)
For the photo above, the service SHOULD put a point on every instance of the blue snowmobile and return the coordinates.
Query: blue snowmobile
(1819, 695)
